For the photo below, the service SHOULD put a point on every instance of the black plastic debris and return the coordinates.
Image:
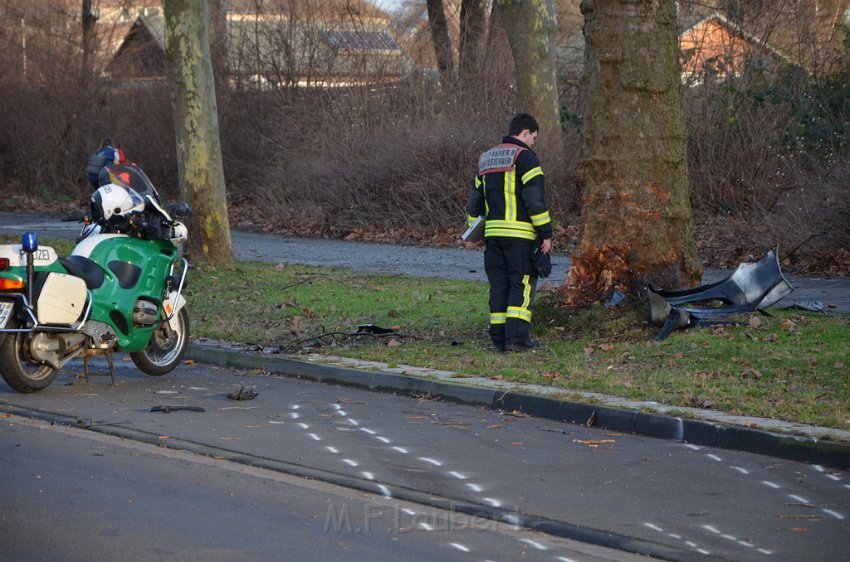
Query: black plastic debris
(808, 306)
(373, 329)
(243, 393)
(169, 409)
(753, 287)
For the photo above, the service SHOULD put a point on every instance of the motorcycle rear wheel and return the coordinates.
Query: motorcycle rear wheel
(165, 351)
(16, 369)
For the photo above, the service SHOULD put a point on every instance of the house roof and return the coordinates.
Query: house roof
(279, 44)
(688, 25)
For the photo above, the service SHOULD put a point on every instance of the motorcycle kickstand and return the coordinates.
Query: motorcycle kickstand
(108, 355)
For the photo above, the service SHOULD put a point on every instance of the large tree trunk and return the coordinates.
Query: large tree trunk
(441, 40)
(636, 220)
(199, 163)
(88, 20)
(532, 30)
(473, 26)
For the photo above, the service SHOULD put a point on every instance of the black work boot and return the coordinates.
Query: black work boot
(522, 345)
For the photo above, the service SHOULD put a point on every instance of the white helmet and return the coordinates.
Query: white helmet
(112, 199)
(179, 233)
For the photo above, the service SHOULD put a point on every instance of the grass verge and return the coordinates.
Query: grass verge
(785, 366)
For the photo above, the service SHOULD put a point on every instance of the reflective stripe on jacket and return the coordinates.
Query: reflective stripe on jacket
(508, 191)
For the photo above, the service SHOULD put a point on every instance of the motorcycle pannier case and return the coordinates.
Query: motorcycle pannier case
(62, 300)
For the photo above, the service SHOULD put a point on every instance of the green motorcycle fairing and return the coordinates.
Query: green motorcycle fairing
(133, 269)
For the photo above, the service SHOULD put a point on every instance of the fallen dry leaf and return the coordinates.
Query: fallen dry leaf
(516, 413)
(495, 426)
(594, 441)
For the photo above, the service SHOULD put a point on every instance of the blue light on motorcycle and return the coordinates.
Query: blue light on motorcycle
(29, 242)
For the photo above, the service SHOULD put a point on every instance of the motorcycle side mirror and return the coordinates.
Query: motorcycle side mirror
(179, 209)
(29, 242)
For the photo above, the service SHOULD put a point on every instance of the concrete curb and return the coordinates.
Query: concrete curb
(694, 431)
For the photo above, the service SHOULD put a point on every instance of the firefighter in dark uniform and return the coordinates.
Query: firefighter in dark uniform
(508, 192)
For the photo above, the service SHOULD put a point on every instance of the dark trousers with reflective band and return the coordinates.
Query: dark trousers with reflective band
(507, 262)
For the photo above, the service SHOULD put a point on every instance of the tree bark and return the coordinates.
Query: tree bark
(636, 219)
(532, 31)
(88, 20)
(199, 162)
(440, 38)
(473, 26)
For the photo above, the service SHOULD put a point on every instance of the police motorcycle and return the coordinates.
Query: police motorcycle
(120, 290)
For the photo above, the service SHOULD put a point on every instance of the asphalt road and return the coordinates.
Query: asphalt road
(420, 261)
(383, 454)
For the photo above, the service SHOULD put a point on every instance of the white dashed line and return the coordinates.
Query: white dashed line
(674, 535)
(654, 527)
(336, 406)
(296, 407)
(457, 475)
(294, 416)
(431, 461)
(459, 546)
(703, 551)
(711, 528)
(368, 475)
(773, 485)
(833, 477)
(741, 470)
(303, 426)
(426, 526)
(314, 437)
(368, 431)
(333, 450)
(818, 467)
(385, 491)
(408, 511)
(352, 421)
(730, 537)
(747, 544)
(693, 447)
(474, 487)
(493, 502)
(714, 457)
(834, 514)
(798, 498)
(765, 551)
(534, 544)
(350, 462)
(383, 439)
(400, 450)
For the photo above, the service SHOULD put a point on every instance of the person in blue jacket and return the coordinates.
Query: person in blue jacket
(104, 155)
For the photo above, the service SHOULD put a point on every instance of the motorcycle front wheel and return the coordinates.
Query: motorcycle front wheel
(166, 347)
(15, 367)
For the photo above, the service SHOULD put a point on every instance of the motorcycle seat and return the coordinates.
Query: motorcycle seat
(85, 269)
